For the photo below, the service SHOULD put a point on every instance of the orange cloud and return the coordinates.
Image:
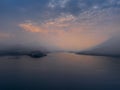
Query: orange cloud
(76, 38)
(51, 26)
(66, 34)
(31, 28)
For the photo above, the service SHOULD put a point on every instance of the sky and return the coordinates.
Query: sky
(69, 25)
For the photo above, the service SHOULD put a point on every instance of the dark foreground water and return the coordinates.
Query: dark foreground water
(60, 71)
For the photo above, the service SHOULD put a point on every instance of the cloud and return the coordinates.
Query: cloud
(57, 3)
(60, 24)
(56, 25)
(66, 32)
(4, 35)
(29, 27)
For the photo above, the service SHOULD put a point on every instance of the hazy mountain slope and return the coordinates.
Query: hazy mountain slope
(108, 48)
(21, 51)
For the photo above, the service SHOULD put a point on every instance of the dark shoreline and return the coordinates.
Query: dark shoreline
(95, 54)
(39, 54)
(32, 54)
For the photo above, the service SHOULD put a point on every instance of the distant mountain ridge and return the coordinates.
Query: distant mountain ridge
(108, 48)
(22, 51)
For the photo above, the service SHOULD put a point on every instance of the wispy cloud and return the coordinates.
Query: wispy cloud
(67, 32)
(57, 3)
(30, 27)
(4, 35)
(63, 24)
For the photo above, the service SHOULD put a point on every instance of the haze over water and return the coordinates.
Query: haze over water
(60, 71)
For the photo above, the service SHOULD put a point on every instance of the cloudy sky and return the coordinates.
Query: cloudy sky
(59, 24)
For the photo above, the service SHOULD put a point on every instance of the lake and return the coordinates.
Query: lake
(60, 71)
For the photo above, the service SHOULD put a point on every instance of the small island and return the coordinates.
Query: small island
(30, 53)
(37, 54)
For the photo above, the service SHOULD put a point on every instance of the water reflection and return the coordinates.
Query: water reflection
(60, 71)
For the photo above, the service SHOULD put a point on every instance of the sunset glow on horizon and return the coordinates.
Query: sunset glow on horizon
(60, 24)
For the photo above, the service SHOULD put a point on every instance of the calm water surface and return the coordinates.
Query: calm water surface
(60, 71)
